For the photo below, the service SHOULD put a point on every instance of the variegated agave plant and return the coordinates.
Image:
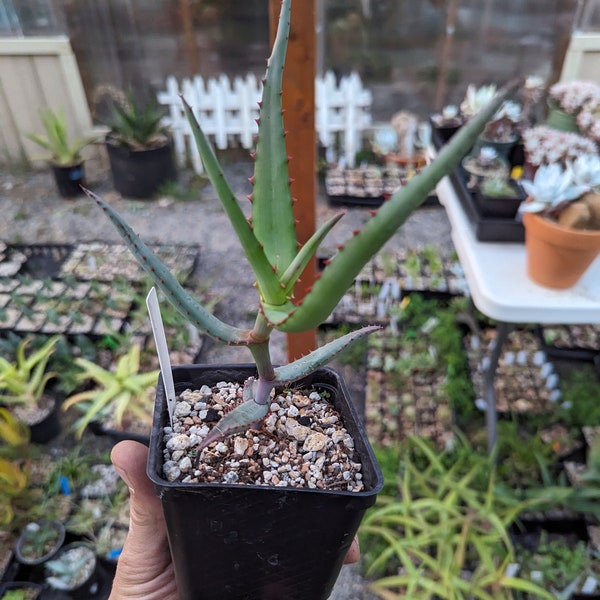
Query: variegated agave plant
(269, 242)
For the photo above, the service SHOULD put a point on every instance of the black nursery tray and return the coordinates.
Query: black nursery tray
(571, 342)
(42, 260)
(369, 187)
(487, 229)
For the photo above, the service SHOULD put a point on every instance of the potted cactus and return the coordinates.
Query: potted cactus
(562, 221)
(210, 504)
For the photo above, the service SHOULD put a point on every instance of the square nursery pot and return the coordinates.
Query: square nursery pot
(503, 207)
(256, 542)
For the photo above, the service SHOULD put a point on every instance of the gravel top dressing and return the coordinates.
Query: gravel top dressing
(302, 443)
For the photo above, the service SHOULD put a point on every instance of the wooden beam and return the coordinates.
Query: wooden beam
(299, 119)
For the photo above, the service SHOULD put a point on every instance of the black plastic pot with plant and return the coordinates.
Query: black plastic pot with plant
(139, 149)
(259, 541)
(65, 155)
(39, 542)
(219, 450)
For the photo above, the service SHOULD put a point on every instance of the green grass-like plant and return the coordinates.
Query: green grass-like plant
(124, 392)
(443, 534)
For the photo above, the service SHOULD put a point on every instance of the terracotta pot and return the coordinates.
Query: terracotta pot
(557, 257)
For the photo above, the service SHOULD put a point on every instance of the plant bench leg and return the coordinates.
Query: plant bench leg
(491, 413)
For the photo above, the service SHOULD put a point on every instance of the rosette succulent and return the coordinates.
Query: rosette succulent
(566, 193)
(552, 186)
(271, 246)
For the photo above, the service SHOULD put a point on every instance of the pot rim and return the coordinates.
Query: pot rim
(156, 440)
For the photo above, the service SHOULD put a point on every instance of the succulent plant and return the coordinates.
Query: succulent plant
(553, 186)
(476, 98)
(586, 170)
(24, 381)
(63, 151)
(271, 247)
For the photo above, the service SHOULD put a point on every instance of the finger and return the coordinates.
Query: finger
(146, 543)
(353, 552)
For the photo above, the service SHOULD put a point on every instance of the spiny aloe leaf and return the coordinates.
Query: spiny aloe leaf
(307, 252)
(240, 419)
(321, 356)
(276, 313)
(268, 283)
(162, 277)
(337, 277)
(272, 214)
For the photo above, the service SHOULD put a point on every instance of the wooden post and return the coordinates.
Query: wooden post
(445, 55)
(191, 47)
(299, 119)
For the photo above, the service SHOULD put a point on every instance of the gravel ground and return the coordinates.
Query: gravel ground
(34, 213)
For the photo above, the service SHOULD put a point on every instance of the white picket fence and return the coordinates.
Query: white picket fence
(227, 112)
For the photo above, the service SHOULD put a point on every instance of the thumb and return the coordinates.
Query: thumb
(145, 560)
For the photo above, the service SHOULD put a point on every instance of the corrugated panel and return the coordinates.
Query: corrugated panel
(37, 73)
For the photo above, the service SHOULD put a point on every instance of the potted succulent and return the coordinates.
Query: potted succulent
(65, 155)
(119, 401)
(74, 570)
(543, 145)
(412, 140)
(498, 196)
(139, 148)
(39, 542)
(484, 163)
(502, 131)
(447, 122)
(572, 106)
(20, 590)
(24, 388)
(562, 221)
(232, 520)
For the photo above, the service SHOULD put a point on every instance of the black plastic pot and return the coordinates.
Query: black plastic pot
(503, 207)
(140, 173)
(50, 426)
(25, 557)
(69, 179)
(90, 587)
(252, 542)
(117, 435)
(21, 585)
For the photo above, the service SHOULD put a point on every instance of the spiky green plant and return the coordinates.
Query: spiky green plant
(270, 245)
(63, 151)
(24, 381)
(136, 126)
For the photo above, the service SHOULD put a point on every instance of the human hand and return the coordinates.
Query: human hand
(145, 570)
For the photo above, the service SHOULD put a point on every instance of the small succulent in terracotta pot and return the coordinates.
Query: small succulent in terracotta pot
(566, 194)
(563, 238)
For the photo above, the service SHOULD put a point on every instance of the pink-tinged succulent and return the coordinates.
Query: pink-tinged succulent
(544, 145)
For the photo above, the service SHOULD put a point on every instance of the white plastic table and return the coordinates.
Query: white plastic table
(500, 289)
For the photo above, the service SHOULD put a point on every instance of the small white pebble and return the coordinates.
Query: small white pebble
(179, 442)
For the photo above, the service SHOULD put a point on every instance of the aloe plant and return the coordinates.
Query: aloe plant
(24, 381)
(64, 152)
(270, 244)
